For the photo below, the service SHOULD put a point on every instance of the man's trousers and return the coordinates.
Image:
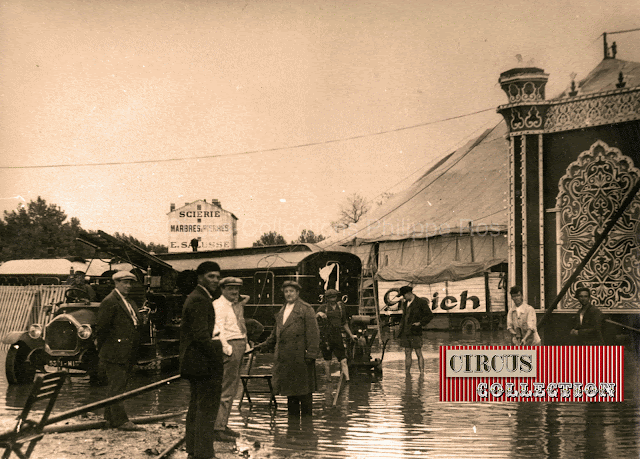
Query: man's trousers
(201, 417)
(117, 378)
(230, 381)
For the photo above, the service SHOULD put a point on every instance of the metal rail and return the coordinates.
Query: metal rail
(109, 401)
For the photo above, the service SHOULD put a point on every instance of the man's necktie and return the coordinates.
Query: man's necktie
(132, 313)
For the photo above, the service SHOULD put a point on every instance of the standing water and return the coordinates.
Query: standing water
(395, 416)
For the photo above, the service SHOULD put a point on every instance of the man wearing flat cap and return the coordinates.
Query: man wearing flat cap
(416, 313)
(587, 328)
(78, 282)
(118, 336)
(232, 330)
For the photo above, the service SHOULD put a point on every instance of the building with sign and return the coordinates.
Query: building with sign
(201, 225)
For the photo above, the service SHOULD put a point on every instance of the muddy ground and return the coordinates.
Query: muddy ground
(147, 444)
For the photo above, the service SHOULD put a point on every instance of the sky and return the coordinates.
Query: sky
(114, 109)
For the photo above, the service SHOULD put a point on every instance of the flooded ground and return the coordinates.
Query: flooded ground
(391, 416)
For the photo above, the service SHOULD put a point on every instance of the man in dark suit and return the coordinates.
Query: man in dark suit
(587, 329)
(201, 362)
(416, 313)
(118, 335)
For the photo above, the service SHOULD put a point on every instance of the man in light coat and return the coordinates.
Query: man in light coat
(296, 340)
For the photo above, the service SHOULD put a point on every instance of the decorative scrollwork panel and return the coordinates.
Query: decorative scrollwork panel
(590, 192)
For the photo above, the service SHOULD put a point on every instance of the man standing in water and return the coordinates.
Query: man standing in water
(416, 314)
(587, 329)
(118, 335)
(232, 328)
(201, 362)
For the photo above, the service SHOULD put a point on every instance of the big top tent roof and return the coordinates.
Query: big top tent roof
(467, 186)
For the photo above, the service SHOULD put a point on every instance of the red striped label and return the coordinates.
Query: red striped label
(562, 374)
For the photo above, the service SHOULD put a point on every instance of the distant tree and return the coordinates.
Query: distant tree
(352, 210)
(308, 236)
(151, 247)
(157, 248)
(270, 238)
(384, 197)
(40, 230)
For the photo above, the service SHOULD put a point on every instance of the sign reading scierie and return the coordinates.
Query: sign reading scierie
(490, 363)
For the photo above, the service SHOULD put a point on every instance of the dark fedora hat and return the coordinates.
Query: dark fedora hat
(404, 290)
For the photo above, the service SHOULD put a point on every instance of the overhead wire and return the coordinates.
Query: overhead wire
(414, 195)
(252, 152)
(447, 151)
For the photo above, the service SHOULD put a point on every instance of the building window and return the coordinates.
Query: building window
(199, 207)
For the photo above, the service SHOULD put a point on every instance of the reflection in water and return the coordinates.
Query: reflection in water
(391, 416)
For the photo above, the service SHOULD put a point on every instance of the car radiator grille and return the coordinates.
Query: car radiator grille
(62, 335)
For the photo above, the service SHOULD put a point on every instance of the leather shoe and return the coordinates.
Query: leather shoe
(221, 435)
(231, 433)
(130, 427)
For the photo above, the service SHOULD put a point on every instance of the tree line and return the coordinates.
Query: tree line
(42, 230)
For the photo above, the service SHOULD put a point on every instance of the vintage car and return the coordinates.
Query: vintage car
(62, 333)
(65, 339)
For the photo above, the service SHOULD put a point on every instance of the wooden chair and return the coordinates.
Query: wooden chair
(245, 389)
(28, 430)
(245, 386)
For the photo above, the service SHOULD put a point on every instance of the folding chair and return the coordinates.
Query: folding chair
(29, 430)
(245, 386)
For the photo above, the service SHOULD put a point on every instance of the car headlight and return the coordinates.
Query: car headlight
(84, 332)
(35, 331)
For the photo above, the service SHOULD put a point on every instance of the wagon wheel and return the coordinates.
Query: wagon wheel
(470, 325)
(17, 367)
(388, 300)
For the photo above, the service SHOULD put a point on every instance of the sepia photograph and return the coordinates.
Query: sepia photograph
(319, 229)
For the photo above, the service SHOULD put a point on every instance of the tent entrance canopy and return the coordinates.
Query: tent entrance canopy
(431, 274)
(452, 257)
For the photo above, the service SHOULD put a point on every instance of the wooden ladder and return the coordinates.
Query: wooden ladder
(369, 299)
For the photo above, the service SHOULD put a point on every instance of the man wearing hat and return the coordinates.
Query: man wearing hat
(587, 329)
(232, 329)
(118, 336)
(416, 313)
(332, 319)
(201, 362)
(78, 282)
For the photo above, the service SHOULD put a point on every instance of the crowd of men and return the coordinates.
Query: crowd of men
(214, 340)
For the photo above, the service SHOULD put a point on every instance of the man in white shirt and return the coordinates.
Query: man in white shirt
(230, 324)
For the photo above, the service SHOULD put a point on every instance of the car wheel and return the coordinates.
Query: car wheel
(470, 325)
(18, 369)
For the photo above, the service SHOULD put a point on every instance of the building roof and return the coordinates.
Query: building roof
(605, 77)
(263, 257)
(204, 201)
(52, 267)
